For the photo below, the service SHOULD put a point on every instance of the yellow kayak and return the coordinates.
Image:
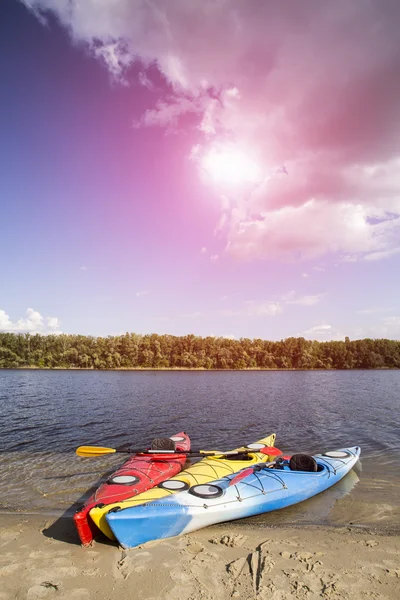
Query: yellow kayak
(204, 471)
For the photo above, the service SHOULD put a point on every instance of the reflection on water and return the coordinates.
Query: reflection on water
(46, 415)
(50, 482)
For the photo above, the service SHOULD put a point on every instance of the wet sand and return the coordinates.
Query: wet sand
(41, 558)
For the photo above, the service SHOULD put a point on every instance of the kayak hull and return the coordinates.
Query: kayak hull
(261, 491)
(201, 472)
(144, 471)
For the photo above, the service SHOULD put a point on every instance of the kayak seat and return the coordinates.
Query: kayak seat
(303, 462)
(163, 444)
(244, 456)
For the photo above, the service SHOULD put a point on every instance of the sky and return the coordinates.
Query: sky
(215, 167)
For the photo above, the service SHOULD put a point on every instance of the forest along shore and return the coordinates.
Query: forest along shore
(222, 561)
(133, 351)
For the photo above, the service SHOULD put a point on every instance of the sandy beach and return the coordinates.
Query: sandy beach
(41, 558)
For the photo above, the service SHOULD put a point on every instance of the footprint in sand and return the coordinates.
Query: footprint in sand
(194, 547)
(267, 565)
(37, 592)
(393, 572)
(10, 569)
(129, 563)
(231, 541)
(180, 576)
(93, 573)
(9, 557)
(39, 554)
(62, 561)
(236, 567)
(371, 543)
(8, 536)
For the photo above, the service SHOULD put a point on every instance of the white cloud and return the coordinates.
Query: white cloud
(310, 300)
(203, 250)
(214, 257)
(83, 268)
(391, 327)
(251, 308)
(115, 56)
(167, 113)
(323, 332)
(349, 258)
(34, 322)
(264, 309)
(145, 81)
(141, 293)
(320, 329)
(382, 254)
(5, 322)
(372, 311)
(387, 328)
(53, 323)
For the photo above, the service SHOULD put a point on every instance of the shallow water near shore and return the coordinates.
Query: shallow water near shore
(45, 415)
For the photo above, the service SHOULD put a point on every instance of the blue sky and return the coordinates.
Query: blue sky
(142, 186)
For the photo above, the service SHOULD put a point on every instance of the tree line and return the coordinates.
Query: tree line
(192, 352)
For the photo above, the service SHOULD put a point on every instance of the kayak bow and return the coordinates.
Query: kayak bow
(137, 474)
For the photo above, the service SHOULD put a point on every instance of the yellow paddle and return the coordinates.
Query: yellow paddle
(88, 451)
(91, 451)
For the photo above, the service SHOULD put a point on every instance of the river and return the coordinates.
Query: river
(45, 415)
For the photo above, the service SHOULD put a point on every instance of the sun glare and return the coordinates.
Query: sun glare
(231, 165)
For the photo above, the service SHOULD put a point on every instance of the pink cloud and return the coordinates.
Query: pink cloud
(310, 230)
(313, 86)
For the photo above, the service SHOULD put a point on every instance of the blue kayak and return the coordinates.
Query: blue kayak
(258, 489)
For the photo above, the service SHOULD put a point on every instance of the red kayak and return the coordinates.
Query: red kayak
(138, 474)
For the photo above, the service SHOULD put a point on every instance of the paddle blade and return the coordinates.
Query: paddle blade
(271, 451)
(241, 475)
(89, 451)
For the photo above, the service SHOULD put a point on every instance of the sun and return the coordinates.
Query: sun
(231, 165)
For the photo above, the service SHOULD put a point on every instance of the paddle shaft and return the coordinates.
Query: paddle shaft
(190, 452)
(88, 451)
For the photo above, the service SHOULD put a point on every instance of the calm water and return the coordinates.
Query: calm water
(45, 415)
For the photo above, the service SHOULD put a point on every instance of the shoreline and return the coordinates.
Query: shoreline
(62, 523)
(224, 561)
(183, 369)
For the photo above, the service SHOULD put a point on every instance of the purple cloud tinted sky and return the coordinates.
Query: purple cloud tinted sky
(308, 93)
